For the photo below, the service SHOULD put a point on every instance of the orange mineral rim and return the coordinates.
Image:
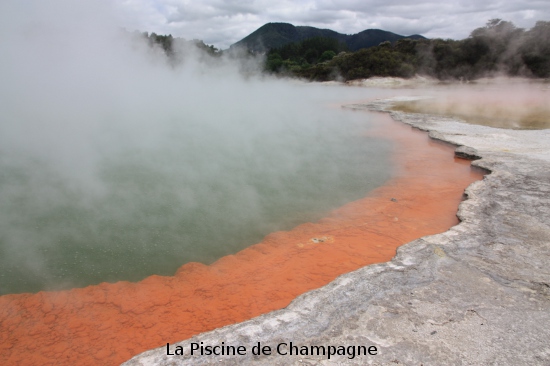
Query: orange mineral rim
(107, 324)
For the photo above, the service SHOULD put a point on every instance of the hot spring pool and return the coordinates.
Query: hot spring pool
(113, 199)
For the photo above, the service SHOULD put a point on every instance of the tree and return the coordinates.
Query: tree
(535, 50)
(327, 56)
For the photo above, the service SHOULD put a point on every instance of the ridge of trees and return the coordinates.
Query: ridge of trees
(498, 48)
(276, 35)
(301, 55)
(171, 45)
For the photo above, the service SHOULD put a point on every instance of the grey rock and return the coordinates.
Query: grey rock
(478, 294)
(466, 152)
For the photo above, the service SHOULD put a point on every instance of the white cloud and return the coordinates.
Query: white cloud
(223, 22)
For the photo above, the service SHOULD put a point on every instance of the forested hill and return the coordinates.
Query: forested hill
(499, 48)
(276, 35)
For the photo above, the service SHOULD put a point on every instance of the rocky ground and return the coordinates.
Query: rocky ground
(478, 294)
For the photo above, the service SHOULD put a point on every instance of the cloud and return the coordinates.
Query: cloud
(222, 22)
(113, 160)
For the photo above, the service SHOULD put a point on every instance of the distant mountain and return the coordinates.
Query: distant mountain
(373, 37)
(275, 35)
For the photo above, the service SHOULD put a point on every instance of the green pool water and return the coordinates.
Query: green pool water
(128, 199)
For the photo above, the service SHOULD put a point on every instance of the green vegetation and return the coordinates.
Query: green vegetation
(301, 55)
(277, 35)
(173, 46)
(499, 48)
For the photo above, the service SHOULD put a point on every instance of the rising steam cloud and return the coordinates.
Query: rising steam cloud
(116, 164)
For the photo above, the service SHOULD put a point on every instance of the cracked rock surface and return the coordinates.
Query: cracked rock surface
(478, 294)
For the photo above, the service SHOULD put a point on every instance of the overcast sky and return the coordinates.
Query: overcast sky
(223, 22)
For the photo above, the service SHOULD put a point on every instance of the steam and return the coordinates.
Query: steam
(513, 103)
(116, 164)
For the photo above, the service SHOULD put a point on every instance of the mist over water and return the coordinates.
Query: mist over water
(512, 103)
(116, 165)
